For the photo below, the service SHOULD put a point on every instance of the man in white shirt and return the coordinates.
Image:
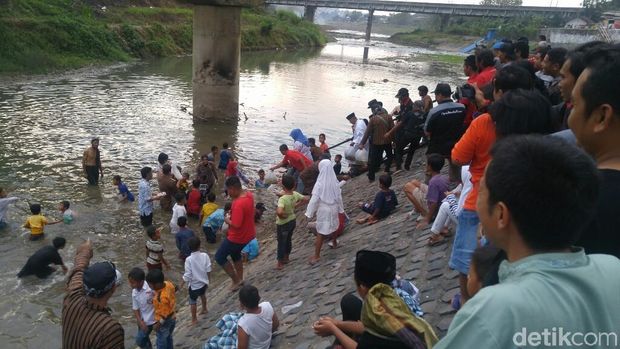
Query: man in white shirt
(142, 305)
(197, 273)
(255, 327)
(359, 128)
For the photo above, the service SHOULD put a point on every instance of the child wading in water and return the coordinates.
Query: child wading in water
(37, 222)
(197, 273)
(385, 202)
(67, 213)
(123, 191)
(286, 219)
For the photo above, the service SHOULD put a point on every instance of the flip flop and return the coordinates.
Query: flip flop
(436, 239)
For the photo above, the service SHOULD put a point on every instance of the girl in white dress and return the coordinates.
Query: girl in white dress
(326, 204)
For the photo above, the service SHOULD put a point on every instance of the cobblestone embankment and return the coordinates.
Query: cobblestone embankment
(320, 287)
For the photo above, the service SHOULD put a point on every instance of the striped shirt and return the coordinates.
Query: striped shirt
(85, 325)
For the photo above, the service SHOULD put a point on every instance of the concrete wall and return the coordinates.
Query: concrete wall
(576, 36)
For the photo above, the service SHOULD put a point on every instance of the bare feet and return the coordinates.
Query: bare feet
(194, 322)
(204, 311)
(361, 220)
(236, 287)
(314, 260)
(279, 265)
(372, 220)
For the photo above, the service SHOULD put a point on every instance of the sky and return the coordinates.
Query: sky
(552, 3)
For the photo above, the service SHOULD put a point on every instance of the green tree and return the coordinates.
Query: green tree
(502, 2)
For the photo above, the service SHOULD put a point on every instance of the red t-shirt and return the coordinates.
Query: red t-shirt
(193, 202)
(242, 215)
(485, 77)
(297, 159)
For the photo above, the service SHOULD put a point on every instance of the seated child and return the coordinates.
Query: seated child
(178, 210)
(154, 250)
(193, 199)
(36, 223)
(197, 273)
(385, 202)
(427, 198)
(208, 208)
(123, 191)
(256, 326)
(483, 271)
(250, 251)
(142, 306)
(182, 237)
(164, 303)
(183, 183)
(449, 209)
(260, 182)
(214, 223)
(67, 213)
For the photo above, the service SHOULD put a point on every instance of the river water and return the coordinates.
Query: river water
(47, 121)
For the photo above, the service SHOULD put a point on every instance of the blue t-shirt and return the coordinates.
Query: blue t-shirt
(215, 220)
(261, 185)
(122, 189)
(225, 156)
(386, 202)
(182, 237)
(251, 249)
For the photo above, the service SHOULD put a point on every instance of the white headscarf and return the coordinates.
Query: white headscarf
(326, 188)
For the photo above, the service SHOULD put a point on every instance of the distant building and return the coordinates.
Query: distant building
(579, 23)
(611, 19)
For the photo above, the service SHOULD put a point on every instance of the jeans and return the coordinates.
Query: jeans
(375, 157)
(285, 235)
(142, 338)
(164, 334)
(465, 241)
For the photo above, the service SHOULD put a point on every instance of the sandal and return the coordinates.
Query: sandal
(436, 239)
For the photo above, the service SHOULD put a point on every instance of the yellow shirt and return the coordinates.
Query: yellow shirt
(35, 224)
(164, 301)
(206, 211)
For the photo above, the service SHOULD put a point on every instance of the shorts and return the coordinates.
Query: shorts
(226, 249)
(194, 294)
(209, 235)
(146, 220)
(465, 241)
(150, 266)
(420, 195)
(36, 237)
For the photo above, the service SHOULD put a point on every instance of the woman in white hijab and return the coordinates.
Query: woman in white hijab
(326, 204)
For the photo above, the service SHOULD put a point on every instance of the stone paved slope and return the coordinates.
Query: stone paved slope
(320, 287)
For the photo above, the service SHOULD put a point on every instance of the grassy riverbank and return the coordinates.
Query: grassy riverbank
(38, 36)
(432, 39)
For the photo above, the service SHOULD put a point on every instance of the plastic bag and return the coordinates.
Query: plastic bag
(271, 178)
(361, 155)
(349, 154)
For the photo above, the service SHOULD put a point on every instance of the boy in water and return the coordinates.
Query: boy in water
(197, 273)
(123, 191)
(36, 223)
(67, 213)
(164, 302)
(208, 208)
(182, 238)
(4, 206)
(193, 200)
(38, 263)
(142, 306)
(260, 182)
(225, 156)
(324, 147)
(155, 250)
(183, 183)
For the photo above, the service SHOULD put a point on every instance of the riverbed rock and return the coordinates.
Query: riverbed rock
(321, 286)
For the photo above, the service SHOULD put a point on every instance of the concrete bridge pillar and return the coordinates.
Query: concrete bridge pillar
(371, 14)
(309, 12)
(215, 58)
(444, 22)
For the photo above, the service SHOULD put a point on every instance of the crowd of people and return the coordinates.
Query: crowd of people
(532, 148)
